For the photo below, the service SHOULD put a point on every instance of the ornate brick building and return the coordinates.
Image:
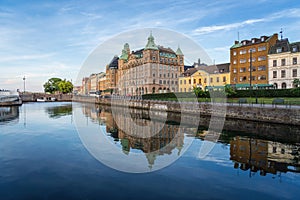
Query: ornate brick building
(153, 69)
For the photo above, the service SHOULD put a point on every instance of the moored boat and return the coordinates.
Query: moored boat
(8, 98)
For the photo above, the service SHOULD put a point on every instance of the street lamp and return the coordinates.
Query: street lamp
(24, 83)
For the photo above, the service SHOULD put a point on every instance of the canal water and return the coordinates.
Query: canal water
(83, 151)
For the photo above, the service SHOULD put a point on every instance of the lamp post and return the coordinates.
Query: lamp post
(24, 84)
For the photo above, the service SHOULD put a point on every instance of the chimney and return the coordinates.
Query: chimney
(236, 42)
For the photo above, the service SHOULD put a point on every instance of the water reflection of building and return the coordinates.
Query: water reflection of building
(168, 138)
(264, 156)
(9, 113)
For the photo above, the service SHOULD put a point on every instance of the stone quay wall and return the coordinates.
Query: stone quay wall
(32, 97)
(266, 113)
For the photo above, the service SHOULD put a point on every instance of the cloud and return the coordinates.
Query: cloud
(288, 13)
(25, 57)
(210, 29)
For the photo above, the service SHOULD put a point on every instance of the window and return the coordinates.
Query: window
(153, 81)
(234, 71)
(243, 60)
(194, 81)
(243, 69)
(274, 74)
(261, 58)
(224, 78)
(278, 50)
(204, 80)
(189, 81)
(211, 80)
(234, 62)
(274, 63)
(253, 69)
(282, 73)
(253, 78)
(252, 49)
(160, 81)
(294, 72)
(243, 51)
(199, 80)
(262, 77)
(153, 75)
(159, 75)
(294, 49)
(180, 82)
(253, 59)
(295, 61)
(234, 53)
(283, 62)
(243, 78)
(283, 85)
(184, 81)
(164, 81)
(218, 79)
(261, 48)
(261, 68)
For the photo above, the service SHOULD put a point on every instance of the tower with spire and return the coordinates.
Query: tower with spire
(151, 51)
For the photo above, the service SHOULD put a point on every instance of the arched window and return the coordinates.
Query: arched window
(153, 90)
(275, 85)
(283, 85)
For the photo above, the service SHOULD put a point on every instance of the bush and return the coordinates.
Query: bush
(295, 92)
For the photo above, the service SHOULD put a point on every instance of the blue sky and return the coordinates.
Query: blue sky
(44, 39)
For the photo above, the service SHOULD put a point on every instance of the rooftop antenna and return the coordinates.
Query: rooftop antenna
(281, 35)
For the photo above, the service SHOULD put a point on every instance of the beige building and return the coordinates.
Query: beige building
(153, 69)
(284, 65)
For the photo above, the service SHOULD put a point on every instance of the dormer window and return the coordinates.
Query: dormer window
(253, 40)
(279, 50)
(262, 39)
(294, 49)
(244, 43)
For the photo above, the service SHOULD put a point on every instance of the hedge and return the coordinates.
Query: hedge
(295, 92)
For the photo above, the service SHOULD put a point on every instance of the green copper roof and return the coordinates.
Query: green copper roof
(179, 52)
(151, 45)
(125, 50)
(236, 45)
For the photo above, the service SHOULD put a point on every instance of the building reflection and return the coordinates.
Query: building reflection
(9, 114)
(258, 156)
(262, 156)
(169, 138)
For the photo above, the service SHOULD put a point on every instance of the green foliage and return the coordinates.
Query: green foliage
(51, 85)
(229, 91)
(199, 92)
(296, 82)
(266, 93)
(58, 85)
(65, 87)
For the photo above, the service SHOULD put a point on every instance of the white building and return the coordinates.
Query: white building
(284, 64)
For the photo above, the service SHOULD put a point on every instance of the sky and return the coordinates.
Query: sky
(45, 39)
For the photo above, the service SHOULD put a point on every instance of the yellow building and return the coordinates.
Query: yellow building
(204, 76)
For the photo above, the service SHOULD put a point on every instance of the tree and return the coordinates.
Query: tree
(198, 91)
(296, 82)
(65, 86)
(51, 85)
(229, 91)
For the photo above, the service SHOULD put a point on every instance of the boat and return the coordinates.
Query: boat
(9, 98)
(46, 99)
